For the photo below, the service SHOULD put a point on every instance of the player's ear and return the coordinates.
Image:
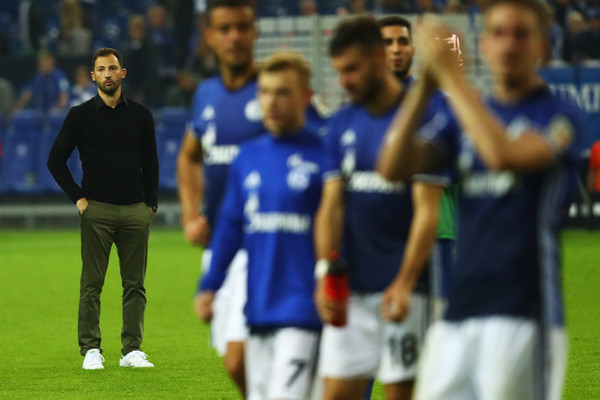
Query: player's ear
(124, 72)
(93, 76)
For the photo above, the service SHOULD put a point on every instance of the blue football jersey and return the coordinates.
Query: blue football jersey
(222, 120)
(378, 213)
(273, 192)
(508, 255)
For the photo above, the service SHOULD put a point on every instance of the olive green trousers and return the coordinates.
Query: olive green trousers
(128, 227)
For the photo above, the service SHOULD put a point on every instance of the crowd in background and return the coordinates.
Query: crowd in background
(167, 55)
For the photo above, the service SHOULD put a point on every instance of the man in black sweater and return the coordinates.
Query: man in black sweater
(116, 201)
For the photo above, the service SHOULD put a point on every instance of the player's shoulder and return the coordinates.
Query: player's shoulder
(254, 145)
(209, 86)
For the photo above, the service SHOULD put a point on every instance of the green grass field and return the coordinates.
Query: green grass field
(39, 356)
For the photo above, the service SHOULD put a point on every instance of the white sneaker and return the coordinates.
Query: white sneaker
(135, 359)
(93, 359)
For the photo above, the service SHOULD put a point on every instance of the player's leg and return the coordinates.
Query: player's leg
(557, 351)
(132, 246)
(234, 362)
(508, 362)
(236, 332)
(350, 355)
(446, 364)
(400, 347)
(294, 360)
(98, 226)
(258, 359)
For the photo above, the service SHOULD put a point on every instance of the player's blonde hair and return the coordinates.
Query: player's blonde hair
(286, 59)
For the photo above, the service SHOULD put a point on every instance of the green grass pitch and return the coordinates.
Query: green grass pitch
(39, 356)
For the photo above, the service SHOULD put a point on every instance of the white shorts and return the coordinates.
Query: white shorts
(371, 347)
(229, 322)
(495, 358)
(282, 364)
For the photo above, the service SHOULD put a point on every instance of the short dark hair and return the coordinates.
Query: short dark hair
(534, 5)
(362, 31)
(396, 20)
(212, 4)
(106, 51)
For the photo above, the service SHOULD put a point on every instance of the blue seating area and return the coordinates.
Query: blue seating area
(27, 139)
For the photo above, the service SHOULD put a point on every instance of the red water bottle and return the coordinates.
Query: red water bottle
(337, 287)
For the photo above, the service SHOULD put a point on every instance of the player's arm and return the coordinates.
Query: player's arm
(191, 190)
(402, 154)
(496, 149)
(426, 204)
(227, 240)
(329, 222)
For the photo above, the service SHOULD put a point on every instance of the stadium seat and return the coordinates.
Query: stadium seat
(27, 121)
(46, 181)
(168, 143)
(174, 118)
(20, 161)
(55, 122)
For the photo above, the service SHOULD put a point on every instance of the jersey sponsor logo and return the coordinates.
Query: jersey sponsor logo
(208, 113)
(214, 154)
(372, 182)
(271, 222)
(488, 184)
(587, 96)
(253, 111)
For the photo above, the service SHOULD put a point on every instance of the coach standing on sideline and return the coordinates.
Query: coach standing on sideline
(116, 201)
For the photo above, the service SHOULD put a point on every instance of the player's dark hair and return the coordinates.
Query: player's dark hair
(396, 20)
(106, 51)
(534, 5)
(212, 4)
(362, 31)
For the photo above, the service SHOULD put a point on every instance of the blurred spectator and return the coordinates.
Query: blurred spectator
(396, 6)
(48, 90)
(32, 26)
(562, 9)
(182, 93)
(141, 61)
(201, 60)
(74, 39)
(184, 16)
(454, 7)
(426, 6)
(83, 89)
(556, 35)
(163, 39)
(594, 25)
(577, 43)
(357, 7)
(7, 96)
(308, 7)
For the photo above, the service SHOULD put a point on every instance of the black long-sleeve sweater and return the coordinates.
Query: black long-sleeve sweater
(118, 154)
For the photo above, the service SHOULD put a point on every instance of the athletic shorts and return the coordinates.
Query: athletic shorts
(281, 364)
(229, 322)
(370, 346)
(495, 358)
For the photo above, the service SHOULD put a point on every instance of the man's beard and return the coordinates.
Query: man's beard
(110, 90)
(403, 73)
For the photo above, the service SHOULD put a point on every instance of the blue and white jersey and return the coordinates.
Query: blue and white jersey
(378, 213)
(222, 120)
(273, 192)
(508, 255)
